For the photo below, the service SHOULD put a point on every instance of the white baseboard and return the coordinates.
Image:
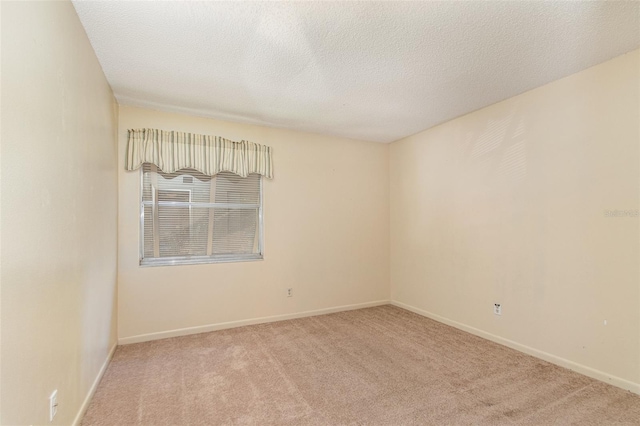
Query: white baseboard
(562, 362)
(94, 386)
(232, 324)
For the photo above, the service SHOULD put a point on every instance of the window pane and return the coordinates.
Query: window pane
(148, 232)
(234, 189)
(235, 231)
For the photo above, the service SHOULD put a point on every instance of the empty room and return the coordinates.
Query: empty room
(320, 213)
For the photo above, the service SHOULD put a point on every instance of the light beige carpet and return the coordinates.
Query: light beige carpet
(375, 366)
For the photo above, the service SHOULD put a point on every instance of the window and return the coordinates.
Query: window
(187, 217)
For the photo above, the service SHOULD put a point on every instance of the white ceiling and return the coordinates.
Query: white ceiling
(375, 71)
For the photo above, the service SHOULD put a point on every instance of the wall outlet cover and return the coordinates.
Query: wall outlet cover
(53, 405)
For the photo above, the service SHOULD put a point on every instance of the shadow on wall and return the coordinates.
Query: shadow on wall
(497, 153)
(493, 218)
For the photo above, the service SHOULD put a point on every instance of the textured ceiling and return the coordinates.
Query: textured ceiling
(375, 71)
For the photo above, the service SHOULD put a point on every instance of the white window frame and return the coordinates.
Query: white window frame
(198, 260)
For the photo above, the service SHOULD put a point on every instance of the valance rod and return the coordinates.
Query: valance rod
(210, 155)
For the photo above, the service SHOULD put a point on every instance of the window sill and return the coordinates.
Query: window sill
(199, 260)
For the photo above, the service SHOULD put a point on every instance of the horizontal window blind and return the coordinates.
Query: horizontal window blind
(188, 217)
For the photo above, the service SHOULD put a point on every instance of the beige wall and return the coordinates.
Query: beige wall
(326, 222)
(59, 223)
(507, 204)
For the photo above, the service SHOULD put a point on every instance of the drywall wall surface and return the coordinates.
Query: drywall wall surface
(531, 203)
(59, 213)
(326, 222)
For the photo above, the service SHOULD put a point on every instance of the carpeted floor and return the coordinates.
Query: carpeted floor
(375, 366)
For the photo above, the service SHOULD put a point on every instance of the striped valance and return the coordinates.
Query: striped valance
(172, 151)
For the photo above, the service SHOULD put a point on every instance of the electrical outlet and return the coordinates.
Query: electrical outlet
(53, 405)
(497, 309)
(289, 292)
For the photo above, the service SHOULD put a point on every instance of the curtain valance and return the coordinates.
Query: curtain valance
(172, 151)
